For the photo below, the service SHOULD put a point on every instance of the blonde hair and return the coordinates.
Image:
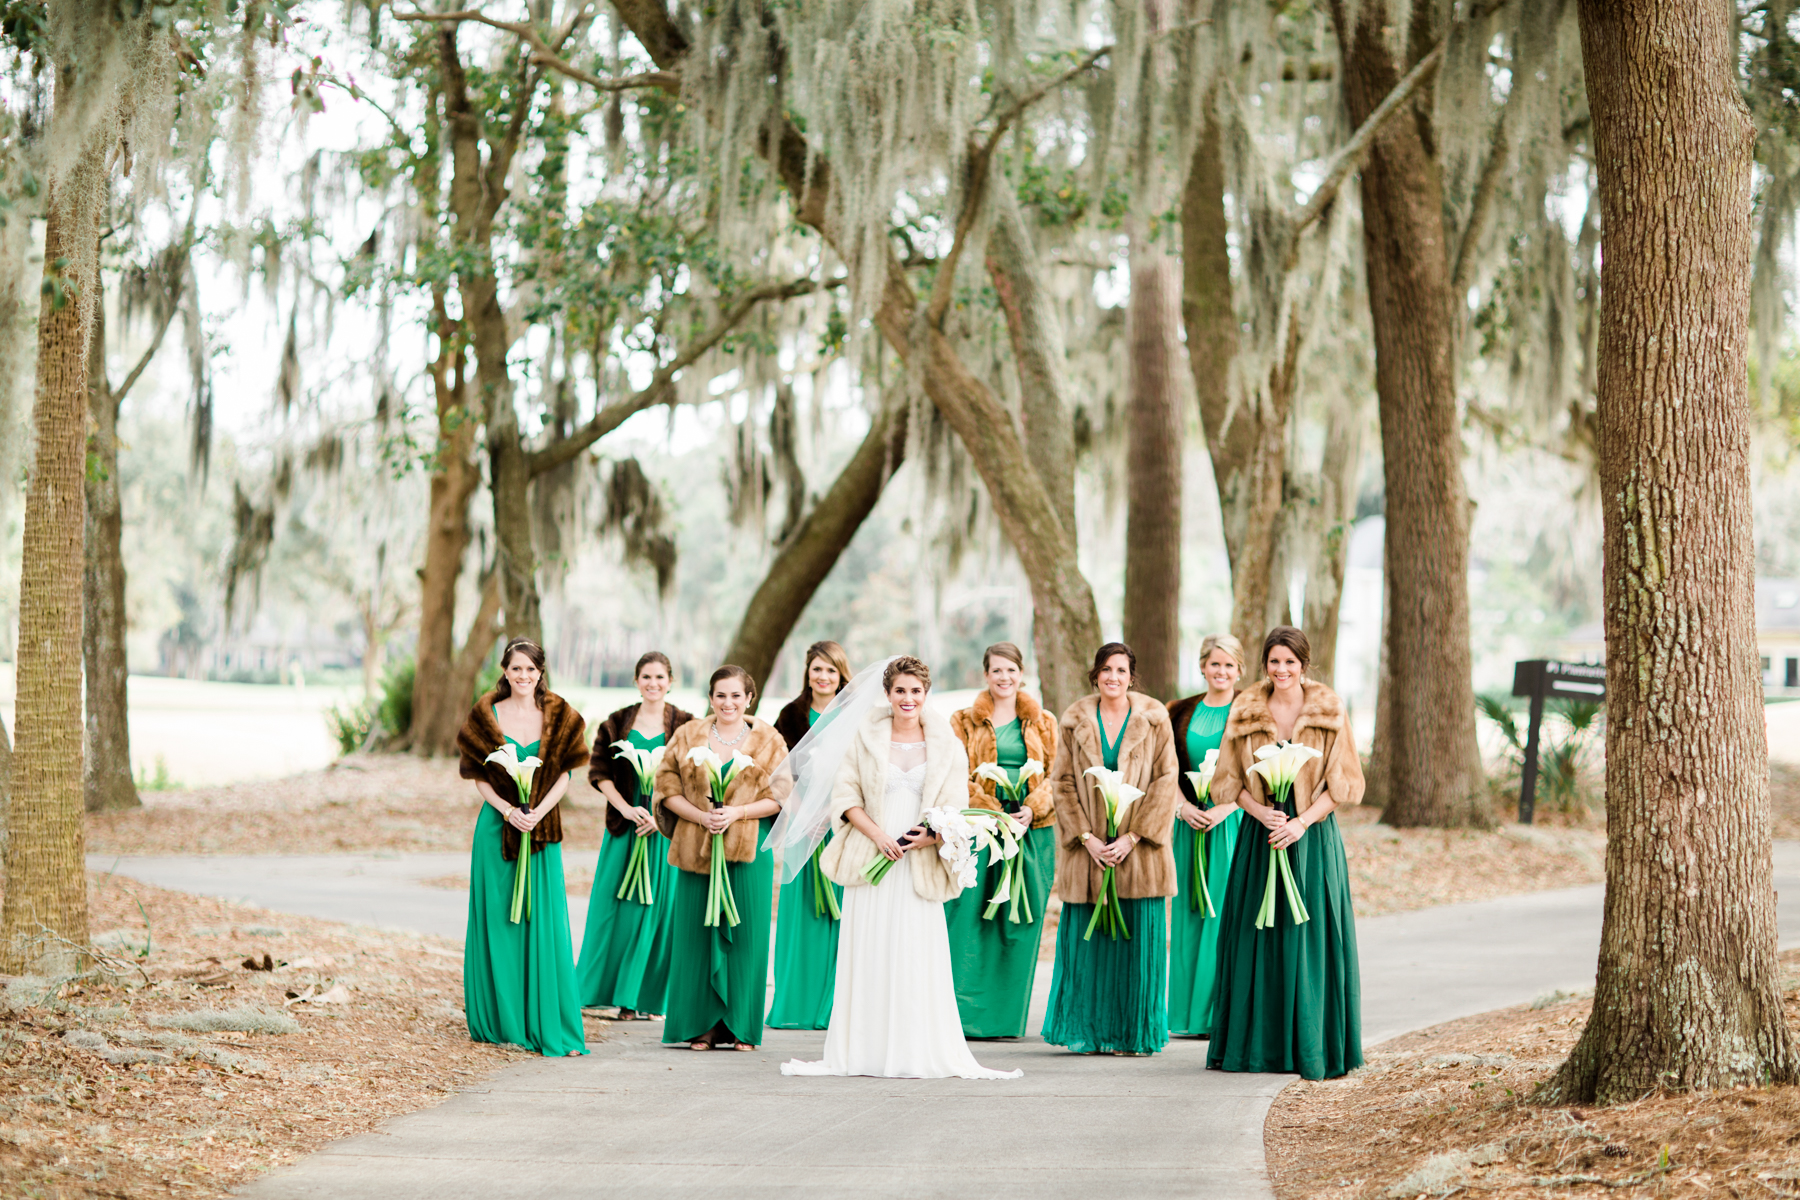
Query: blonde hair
(1227, 643)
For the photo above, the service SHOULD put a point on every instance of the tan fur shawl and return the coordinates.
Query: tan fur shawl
(562, 747)
(862, 782)
(690, 846)
(1322, 724)
(974, 725)
(1147, 762)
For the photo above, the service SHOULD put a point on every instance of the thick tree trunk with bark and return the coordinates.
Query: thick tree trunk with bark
(1153, 439)
(1425, 724)
(807, 557)
(108, 785)
(45, 915)
(1325, 525)
(1688, 993)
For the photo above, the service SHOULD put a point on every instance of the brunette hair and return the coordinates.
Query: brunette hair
(1230, 645)
(1108, 651)
(653, 656)
(832, 653)
(728, 671)
(1294, 639)
(906, 664)
(1006, 650)
(535, 653)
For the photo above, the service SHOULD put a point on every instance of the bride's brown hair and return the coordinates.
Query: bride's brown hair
(906, 664)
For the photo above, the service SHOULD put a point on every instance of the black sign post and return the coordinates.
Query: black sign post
(1543, 679)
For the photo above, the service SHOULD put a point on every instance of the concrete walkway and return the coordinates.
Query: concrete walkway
(640, 1120)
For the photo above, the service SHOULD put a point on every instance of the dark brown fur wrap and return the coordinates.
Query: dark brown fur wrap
(608, 763)
(562, 747)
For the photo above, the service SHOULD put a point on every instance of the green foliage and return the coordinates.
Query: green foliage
(1566, 782)
(395, 710)
(352, 726)
(157, 780)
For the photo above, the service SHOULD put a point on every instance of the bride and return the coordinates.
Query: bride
(894, 1010)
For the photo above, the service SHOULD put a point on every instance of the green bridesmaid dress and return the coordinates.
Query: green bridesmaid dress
(720, 972)
(1194, 936)
(1111, 995)
(1289, 997)
(625, 950)
(806, 939)
(995, 961)
(519, 980)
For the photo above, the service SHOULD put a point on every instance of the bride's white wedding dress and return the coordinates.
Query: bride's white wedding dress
(894, 1011)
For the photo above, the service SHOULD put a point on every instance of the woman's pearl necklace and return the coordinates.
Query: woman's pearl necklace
(742, 734)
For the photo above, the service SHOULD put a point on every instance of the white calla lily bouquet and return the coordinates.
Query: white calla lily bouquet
(960, 833)
(522, 771)
(1279, 765)
(1118, 796)
(636, 885)
(1007, 844)
(721, 905)
(1199, 895)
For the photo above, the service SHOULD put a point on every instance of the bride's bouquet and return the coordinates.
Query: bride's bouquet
(958, 828)
(1278, 765)
(636, 885)
(721, 905)
(1199, 895)
(522, 773)
(1007, 846)
(1118, 796)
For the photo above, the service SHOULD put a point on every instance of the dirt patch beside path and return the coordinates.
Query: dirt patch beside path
(1444, 1110)
(179, 1071)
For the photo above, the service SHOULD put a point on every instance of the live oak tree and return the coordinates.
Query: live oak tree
(1688, 993)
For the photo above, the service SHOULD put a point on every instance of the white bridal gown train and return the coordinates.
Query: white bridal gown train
(893, 1013)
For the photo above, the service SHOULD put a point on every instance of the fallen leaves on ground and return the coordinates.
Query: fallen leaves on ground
(170, 1074)
(1445, 1110)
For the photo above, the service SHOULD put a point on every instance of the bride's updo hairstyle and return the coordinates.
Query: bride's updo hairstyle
(906, 664)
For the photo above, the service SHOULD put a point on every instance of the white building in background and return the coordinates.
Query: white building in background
(1777, 636)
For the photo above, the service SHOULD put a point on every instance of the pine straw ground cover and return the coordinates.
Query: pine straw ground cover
(1445, 1111)
(180, 1072)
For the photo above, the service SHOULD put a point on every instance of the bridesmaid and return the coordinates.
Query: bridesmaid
(1198, 723)
(806, 939)
(1289, 997)
(625, 951)
(519, 979)
(718, 974)
(996, 959)
(1111, 995)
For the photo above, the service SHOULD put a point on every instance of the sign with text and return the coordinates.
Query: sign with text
(1547, 679)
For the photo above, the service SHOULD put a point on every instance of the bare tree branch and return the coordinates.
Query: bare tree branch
(174, 302)
(544, 55)
(611, 416)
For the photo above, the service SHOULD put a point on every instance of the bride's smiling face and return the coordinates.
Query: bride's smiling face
(907, 696)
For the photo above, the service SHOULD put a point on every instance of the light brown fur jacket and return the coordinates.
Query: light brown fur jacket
(1147, 762)
(862, 781)
(975, 726)
(1322, 724)
(690, 846)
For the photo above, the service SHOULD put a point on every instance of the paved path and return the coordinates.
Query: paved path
(627, 1119)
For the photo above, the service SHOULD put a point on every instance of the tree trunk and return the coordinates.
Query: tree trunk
(45, 915)
(107, 784)
(1153, 473)
(1688, 992)
(1326, 524)
(1427, 721)
(484, 631)
(6, 757)
(806, 559)
(1246, 424)
(438, 706)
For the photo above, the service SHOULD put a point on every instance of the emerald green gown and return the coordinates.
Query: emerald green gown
(519, 980)
(1193, 936)
(994, 961)
(806, 938)
(1111, 995)
(721, 973)
(625, 950)
(1290, 997)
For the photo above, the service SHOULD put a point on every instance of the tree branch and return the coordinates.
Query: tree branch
(980, 163)
(611, 416)
(542, 55)
(174, 303)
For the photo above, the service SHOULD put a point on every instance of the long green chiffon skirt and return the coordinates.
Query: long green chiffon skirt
(995, 961)
(519, 980)
(1193, 936)
(1111, 995)
(625, 950)
(721, 973)
(1289, 997)
(805, 952)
